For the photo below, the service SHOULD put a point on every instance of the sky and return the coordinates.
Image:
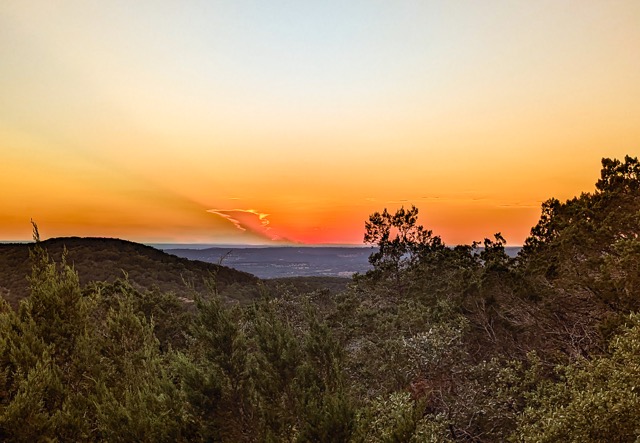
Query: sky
(270, 122)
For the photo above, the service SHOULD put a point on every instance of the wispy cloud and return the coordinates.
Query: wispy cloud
(248, 220)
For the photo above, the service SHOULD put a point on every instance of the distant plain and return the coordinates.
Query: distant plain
(286, 261)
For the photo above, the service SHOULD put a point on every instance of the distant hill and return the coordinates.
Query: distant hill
(107, 259)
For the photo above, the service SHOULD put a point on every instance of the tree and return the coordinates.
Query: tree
(593, 220)
(401, 242)
(215, 374)
(574, 241)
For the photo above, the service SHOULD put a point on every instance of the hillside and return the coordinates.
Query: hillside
(107, 259)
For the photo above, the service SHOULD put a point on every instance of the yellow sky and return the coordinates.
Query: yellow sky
(249, 122)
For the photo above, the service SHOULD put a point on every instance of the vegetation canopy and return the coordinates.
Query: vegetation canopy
(434, 344)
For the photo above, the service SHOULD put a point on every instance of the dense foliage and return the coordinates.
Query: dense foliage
(435, 344)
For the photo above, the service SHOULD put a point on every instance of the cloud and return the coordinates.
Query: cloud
(248, 220)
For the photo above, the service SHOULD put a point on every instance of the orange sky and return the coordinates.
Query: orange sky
(254, 122)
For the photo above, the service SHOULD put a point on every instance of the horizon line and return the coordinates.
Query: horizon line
(231, 245)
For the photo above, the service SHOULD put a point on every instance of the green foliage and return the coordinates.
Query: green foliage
(593, 401)
(328, 413)
(214, 374)
(617, 176)
(134, 393)
(619, 282)
(56, 305)
(436, 350)
(298, 377)
(278, 356)
(169, 315)
(71, 373)
(398, 418)
(573, 240)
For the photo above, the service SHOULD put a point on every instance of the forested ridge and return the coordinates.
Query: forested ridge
(435, 344)
(110, 259)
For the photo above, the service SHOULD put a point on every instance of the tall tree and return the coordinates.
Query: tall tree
(400, 240)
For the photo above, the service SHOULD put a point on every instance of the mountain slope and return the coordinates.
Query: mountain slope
(107, 259)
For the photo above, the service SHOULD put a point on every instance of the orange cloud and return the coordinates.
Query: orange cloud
(248, 220)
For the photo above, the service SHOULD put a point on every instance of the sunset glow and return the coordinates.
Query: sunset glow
(291, 122)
